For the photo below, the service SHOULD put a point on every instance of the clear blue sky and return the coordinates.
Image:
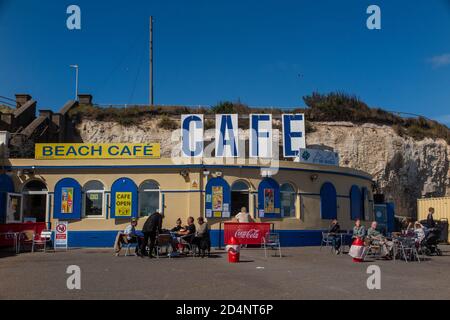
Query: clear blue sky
(206, 51)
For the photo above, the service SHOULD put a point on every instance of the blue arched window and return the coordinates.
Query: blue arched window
(269, 198)
(67, 199)
(218, 198)
(328, 201)
(365, 204)
(355, 203)
(6, 186)
(124, 199)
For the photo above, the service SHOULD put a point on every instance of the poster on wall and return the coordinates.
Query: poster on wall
(123, 204)
(217, 198)
(269, 200)
(14, 208)
(67, 200)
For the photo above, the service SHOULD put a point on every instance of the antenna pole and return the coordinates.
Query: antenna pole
(151, 63)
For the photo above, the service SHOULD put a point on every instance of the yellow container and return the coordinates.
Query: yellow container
(441, 208)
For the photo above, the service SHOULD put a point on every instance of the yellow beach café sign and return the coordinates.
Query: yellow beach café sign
(67, 151)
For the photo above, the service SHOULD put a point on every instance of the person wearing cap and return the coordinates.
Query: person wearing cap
(129, 235)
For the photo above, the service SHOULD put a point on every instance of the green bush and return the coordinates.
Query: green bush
(334, 106)
(5, 109)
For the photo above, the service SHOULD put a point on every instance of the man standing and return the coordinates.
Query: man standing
(430, 219)
(151, 228)
(243, 216)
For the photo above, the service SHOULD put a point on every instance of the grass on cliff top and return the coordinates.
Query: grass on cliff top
(334, 106)
(5, 109)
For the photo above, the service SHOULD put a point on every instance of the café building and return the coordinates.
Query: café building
(98, 188)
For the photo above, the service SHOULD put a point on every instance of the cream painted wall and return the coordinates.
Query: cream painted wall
(182, 196)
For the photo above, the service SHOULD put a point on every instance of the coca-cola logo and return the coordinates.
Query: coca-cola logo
(247, 234)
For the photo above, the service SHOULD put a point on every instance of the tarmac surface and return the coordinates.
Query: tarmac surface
(302, 273)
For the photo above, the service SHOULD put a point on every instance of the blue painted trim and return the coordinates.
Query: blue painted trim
(226, 193)
(124, 184)
(77, 200)
(269, 183)
(181, 191)
(355, 203)
(328, 201)
(104, 239)
(193, 166)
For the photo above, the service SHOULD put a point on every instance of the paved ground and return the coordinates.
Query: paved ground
(302, 273)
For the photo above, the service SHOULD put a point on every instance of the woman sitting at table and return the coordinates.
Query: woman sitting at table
(186, 234)
(178, 227)
(419, 232)
(359, 231)
(201, 238)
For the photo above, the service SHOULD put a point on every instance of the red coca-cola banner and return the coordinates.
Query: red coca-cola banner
(245, 233)
(8, 240)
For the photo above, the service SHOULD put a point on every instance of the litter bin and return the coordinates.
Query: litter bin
(443, 227)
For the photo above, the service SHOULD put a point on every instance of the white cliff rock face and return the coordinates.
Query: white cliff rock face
(405, 169)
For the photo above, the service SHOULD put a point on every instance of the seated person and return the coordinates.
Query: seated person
(178, 227)
(201, 238)
(129, 235)
(377, 238)
(359, 231)
(333, 234)
(187, 233)
(419, 232)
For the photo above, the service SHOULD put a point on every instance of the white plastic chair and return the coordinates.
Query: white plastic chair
(271, 240)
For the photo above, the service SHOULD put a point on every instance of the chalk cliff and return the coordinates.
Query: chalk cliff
(405, 169)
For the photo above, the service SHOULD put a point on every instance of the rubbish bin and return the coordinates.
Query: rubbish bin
(233, 249)
(443, 227)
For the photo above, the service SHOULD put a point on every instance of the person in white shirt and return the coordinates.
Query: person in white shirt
(243, 216)
(127, 236)
(419, 232)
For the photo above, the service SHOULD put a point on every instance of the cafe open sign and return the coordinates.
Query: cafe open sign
(123, 204)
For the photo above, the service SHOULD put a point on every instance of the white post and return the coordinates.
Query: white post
(4, 140)
(75, 66)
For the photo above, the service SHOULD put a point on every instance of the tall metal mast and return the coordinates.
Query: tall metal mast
(151, 63)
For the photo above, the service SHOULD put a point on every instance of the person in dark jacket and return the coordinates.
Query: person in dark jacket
(151, 228)
(333, 234)
(430, 220)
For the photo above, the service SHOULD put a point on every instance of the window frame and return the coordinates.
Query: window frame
(294, 194)
(142, 191)
(104, 204)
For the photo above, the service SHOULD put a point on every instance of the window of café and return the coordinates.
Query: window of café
(328, 201)
(149, 198)
(355, 203)
(288, 197)
(94, 195)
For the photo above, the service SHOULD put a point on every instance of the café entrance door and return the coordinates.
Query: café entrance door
(34, 195)
(240, 194)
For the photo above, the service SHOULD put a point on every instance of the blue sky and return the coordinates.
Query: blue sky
(265, 52)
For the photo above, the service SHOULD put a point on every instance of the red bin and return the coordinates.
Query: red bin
(233, 249)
